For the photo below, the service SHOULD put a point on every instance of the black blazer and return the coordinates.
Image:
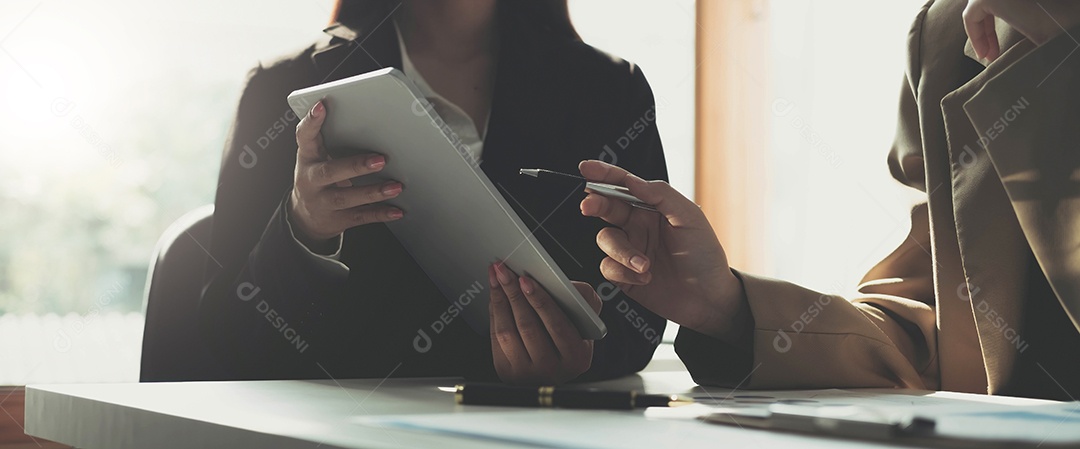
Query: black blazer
(270, 310)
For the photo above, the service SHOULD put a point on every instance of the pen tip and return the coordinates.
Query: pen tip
(529, 172)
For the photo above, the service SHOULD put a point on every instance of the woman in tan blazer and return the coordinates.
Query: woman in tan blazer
(983, 295)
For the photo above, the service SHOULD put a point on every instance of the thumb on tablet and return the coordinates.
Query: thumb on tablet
(589, 294)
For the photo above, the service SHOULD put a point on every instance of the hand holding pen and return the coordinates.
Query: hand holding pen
(608, 190)
(671, 261)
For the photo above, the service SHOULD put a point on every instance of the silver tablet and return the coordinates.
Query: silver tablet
(456, 223)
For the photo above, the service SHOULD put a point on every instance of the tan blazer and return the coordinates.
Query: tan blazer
(997, 150)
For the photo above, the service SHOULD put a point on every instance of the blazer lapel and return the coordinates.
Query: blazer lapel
(1039, 170)
(352, 49)
(524, 103)
(518, 92)
(993, 251)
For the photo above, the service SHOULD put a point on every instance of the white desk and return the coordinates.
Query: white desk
(289, 414)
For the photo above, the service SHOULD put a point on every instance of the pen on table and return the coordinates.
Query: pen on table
(843, 421)
(547, 396)
(608, 190)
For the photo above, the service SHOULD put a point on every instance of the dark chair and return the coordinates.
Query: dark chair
(172, 349)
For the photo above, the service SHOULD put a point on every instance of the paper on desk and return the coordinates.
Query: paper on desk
(887, 402)
(959, 416)
(588, 429)
(1055, 424)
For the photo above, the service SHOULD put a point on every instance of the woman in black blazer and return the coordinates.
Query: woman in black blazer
(282, 300)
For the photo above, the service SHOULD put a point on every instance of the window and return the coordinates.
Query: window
(796, 113)
(114, 118)
(833, 208)
(659, 37)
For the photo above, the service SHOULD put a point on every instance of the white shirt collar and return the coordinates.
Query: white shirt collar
(455, 117)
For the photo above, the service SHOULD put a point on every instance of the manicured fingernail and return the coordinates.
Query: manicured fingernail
(391, 189)
(491, 277)
(638, 263)
(317, 110)
(526, 285)
(376, 162)
(396, 214)
(503, 273)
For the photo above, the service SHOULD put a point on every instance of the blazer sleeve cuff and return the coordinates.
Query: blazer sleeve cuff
(801, 339)
(330, 262)
(287, 256)
(711, 361)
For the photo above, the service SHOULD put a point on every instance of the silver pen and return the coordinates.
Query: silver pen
(846, 421)
(608, 190)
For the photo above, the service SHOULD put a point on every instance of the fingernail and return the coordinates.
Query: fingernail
(502, 273)
(317, 110)
(638, 263)
(526, 285)
(391, 189)
(376, 162)
(491, 277)
(396, 214)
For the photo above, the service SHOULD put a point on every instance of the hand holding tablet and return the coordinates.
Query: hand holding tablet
(454, 222)
(323, 202)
